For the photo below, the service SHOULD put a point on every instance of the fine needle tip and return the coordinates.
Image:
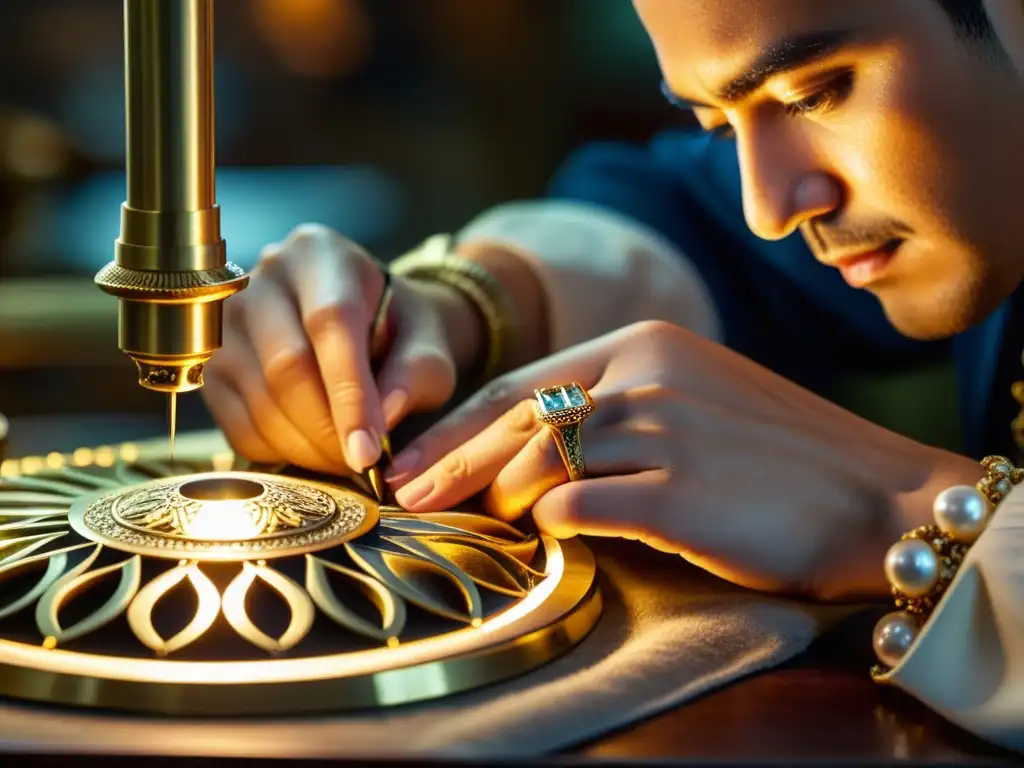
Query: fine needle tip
(172, 420)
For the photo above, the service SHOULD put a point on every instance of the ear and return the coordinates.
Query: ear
(1007, 18)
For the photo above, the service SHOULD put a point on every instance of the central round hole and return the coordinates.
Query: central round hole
(221, 489)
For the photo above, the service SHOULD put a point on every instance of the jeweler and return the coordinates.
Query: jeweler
(656, 344)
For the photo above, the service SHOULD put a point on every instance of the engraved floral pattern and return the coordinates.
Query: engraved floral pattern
(282, 506)
(158, 519)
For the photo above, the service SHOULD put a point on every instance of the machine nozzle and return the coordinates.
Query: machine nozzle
(170, 270)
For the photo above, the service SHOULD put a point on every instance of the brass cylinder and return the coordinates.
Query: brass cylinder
(170, 261)
(169, 104)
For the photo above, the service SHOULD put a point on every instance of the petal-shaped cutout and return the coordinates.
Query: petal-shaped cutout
(145, 470)
(55, 564)
(391, 608)
(109, 474)
(14, 549)
(33, 524)
(413, 526)
(87, 480)
(465, 522)
(159, 469)
(12, 498)
(410, 574)
(13, 514)
(127, 474)
(524, 551)
(484, 570)
(44, 485)
(300, 607)
(487, 565)
(64, 590)
(140, 612)
(154, 469)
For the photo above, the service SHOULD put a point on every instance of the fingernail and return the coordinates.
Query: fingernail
(394, 406)
(362, 450)
(414, 493)
(403, 464)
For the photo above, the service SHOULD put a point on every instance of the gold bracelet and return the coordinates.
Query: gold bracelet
(922, 564)
(433, 261)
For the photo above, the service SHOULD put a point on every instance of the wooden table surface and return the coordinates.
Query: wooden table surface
(822, 708)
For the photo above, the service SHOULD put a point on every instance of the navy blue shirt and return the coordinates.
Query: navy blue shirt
(777, 304)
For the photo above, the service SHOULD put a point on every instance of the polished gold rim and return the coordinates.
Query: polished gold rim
(554, 617)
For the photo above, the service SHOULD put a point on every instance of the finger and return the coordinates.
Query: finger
(469, 468)
(621, 506)
(584, 363)
(228, 409)
(331, 283)
(239, 368)
(419, 373)
(270, 320)
(538, 468)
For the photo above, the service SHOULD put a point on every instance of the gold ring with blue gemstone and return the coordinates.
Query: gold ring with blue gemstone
(563, 409)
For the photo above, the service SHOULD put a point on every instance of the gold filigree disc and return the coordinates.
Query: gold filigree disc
(115, 594)
(224, 516)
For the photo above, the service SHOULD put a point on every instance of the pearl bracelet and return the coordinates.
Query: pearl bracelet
(921, 565)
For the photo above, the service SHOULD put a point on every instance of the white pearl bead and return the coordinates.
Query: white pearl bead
(961, 511)
(912, 566)
(893, 636)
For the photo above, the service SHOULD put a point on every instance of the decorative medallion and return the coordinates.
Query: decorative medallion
(223, 516)
(132, 586)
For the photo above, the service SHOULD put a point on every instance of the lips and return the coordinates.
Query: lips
(860, 270)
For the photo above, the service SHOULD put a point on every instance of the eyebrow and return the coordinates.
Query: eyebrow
(784, 56)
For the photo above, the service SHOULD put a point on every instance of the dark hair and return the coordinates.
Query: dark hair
(970, 19)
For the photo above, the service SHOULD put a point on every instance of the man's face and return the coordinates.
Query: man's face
(889, 142)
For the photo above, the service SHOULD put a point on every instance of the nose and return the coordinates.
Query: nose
(784, 183)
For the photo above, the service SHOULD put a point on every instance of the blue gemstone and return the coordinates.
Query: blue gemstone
(576, 396)
(552, 399)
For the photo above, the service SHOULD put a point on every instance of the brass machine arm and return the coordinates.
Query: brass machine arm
(170, 271)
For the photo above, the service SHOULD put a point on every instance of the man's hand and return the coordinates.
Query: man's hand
(697, 451)
(293, 382)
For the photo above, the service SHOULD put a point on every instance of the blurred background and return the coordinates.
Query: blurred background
(386, 119)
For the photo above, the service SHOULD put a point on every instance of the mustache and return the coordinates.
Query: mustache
(829, 235)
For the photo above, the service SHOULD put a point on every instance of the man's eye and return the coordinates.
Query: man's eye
(825, 100)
